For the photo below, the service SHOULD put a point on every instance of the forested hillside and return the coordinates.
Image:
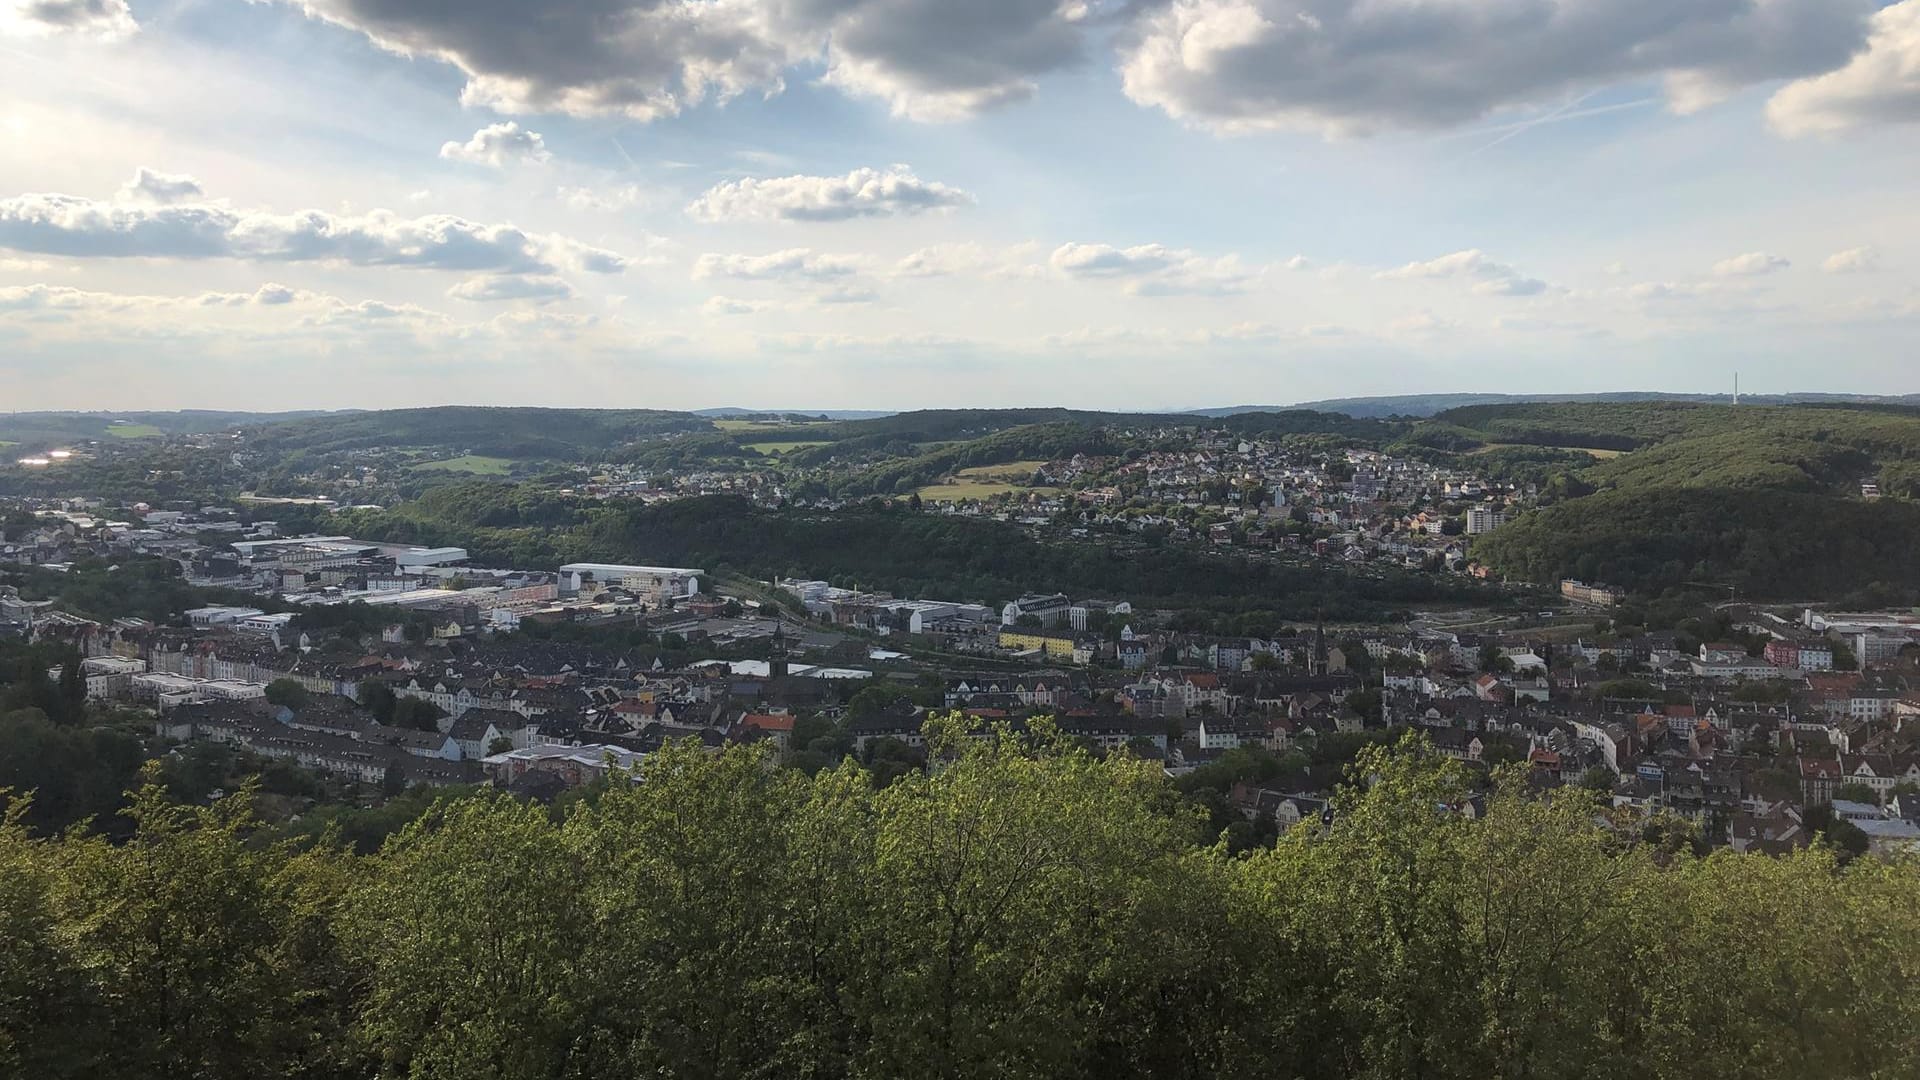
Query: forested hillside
(1026, 911)
(1431, 404)
(42, 430)
(1042, 442)
(508, 432)
(892, 548)
(1763, 500)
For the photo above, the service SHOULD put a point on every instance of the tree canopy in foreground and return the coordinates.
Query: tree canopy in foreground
(1024, 910)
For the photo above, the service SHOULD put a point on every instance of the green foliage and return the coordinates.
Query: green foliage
(365, 829)
(1040, 442)
(140, 587)
(1024, 910)
(1786, 544)
(1762, 500)
(288, 693)
(890, 548)
(415, 713)
(1854, 791)
(926, 555)
(515, 433)
(75, 775)
(26, 685)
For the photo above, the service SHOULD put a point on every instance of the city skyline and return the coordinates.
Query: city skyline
(873, 205)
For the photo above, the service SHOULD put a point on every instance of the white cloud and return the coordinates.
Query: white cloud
(311, 307)
(497, 146)
(730, 305)
(157, 187)
(862, 193)
(1525, 324)
(645, 59)
(585, 257)
(1337, 67)
(24, 266)
(75, 226)
(1419, 324)
(945, 260)
(938, 60)
(1153, 269)
(1492, 278)
(1852, 261)
(1669, 290)
(603, 201)
(887, 343)
(942, 260)
(1880, 85)
(793, 264)
(639, 58)
(107, 20)
(1752, 264)
(539, 288)
(374, 314)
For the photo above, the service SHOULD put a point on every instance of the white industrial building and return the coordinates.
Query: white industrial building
(167, 690)
(660, 582)
(319, 552)
(111, 676)
(221, 616)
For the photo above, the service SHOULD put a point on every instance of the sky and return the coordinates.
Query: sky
(892, 204)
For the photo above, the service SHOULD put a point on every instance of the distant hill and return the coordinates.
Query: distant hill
(729, 412)
(39, 430)
(1418, 405)
(1762, 499)
(509, 432)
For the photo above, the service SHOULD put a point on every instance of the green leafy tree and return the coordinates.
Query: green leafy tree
(1854, 791)
(287, 693)
(417, 714)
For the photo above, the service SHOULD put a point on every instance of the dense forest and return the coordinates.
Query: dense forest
(1763, 500)
(1782, 545)
(891, 548)
(140, 587)
(1027, 910)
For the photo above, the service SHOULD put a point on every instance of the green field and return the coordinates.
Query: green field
(1012, 470)
(987, 481)
(478, 464)
(134, 431)
(764, 427)
(779, 447)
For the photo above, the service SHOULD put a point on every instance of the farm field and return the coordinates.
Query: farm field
(781, 447)
(477, 464)
(134, 431)
(764, 427)
(987, 481)
(1012, 470)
